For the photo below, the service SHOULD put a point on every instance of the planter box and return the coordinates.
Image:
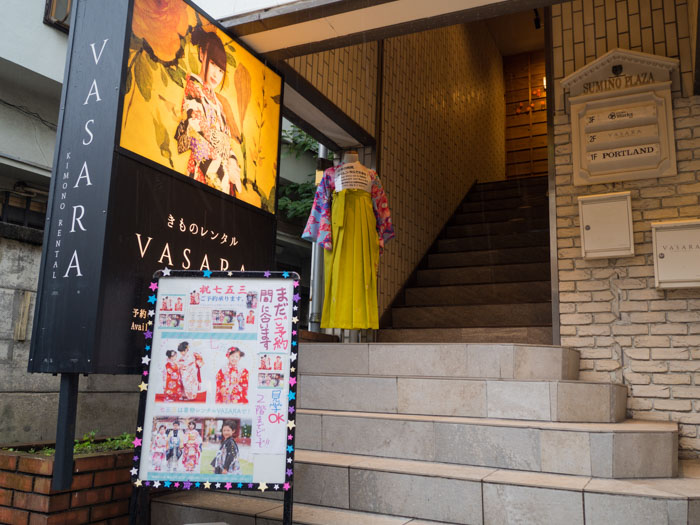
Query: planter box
(100, 491)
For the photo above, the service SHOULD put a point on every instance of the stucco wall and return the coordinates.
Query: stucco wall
(29, 402)
(627, 330)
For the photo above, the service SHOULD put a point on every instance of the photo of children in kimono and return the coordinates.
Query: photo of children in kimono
(194, 297)
(251, 300)
(159, 448)
(232, 378)
(181, 375)
(192, 446)
(223, 319)
(226, 449)
(171, 303)
(266, 380)
(171, 321)
(250, 318)
(265, 362)
(176, 445)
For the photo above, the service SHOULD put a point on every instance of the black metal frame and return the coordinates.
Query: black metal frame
(50, 20)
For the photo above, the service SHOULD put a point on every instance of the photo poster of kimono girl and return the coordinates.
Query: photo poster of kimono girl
(200, 103)
(220, 401)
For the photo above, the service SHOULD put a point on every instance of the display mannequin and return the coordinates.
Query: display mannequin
(350, 219)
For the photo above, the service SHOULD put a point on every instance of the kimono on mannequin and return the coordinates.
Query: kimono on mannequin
(232, 385)
(191, 450)
(205, 132)
(159, 446)
(350, 219)
(190, 365)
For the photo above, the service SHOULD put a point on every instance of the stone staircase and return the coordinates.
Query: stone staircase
(489, 268)
(462, 433)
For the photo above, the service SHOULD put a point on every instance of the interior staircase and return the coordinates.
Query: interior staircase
(489, 268)
(458, 426)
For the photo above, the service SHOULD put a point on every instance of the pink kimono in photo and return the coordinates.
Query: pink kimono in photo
(159, 445)
(189, 364)
(191, 450)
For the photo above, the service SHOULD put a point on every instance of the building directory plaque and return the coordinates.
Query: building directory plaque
(621, 118)
(219, 382)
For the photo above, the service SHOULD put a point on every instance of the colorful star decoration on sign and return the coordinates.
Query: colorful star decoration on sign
(154, 332)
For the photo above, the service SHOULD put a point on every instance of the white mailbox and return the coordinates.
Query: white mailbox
(606, 225)
(677, 253)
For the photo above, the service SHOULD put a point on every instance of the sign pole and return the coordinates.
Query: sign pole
(288, 503)
(65, 432)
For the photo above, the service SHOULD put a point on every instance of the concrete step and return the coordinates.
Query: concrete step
(503, 204)
(351, 485)
(495, 228)
(504, 273)
(521, 212)
(498, 293)
(483, 315)
(632, 449)
(488, 257)
(515, 240)
(487, 361)
(563, 401)
(222, 508)
(533, 335)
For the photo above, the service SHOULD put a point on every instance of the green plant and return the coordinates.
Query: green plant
(296, 199)
(88, 445)
(298, 142)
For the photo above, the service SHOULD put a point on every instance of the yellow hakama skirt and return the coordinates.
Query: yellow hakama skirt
(350, 268)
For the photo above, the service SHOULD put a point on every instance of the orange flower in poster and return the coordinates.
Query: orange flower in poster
(161, 23)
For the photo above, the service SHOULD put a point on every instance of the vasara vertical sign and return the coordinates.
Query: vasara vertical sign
(66, 316)
(139, 184)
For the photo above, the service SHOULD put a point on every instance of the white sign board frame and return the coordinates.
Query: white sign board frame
(676, 253)
(219, 382)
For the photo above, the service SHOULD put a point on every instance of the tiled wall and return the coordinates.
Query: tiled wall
(626, 329)
(443, 124)
(348, 77)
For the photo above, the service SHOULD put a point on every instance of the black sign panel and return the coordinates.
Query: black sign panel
(115, 217)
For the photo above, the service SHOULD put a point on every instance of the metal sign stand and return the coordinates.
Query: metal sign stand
(288, 504)
(65, 432)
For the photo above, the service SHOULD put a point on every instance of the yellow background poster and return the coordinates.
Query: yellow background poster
(200, 104)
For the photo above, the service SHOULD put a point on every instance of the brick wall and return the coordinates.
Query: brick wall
(443, 122)
(627, 331)
(99, 493)
(348, 77)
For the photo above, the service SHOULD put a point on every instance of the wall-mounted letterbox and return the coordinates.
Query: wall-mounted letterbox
(606, 225)
(677, 253)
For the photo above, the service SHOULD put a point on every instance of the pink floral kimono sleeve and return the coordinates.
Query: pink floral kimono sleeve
(385, 228)
(318, 227)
